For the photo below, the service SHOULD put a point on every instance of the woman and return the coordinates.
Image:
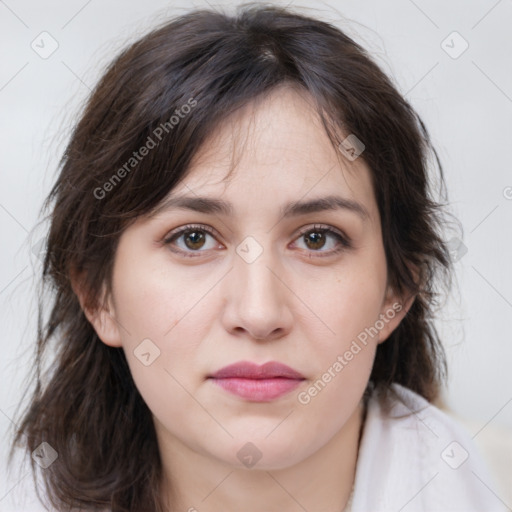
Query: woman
(243, 253)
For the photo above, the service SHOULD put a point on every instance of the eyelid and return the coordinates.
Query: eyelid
(178, 232)
(189, 227)
(344, 241)
(323, 227)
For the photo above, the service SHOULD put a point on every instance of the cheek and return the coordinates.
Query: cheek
(162, 321)
(156, 302)
(344, 305)
(345, 352)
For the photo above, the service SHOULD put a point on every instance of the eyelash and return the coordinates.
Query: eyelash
(344, 241)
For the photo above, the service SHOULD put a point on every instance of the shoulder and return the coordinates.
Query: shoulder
(414, 457)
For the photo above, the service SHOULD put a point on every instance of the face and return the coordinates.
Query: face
(272, 275)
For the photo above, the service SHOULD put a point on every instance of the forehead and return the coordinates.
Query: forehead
(275, 149)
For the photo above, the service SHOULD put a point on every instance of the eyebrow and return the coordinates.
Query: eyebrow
(293, 209)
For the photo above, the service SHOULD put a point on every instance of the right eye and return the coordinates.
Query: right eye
(191, 239)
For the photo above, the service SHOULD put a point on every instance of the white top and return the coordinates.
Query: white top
(424, 461)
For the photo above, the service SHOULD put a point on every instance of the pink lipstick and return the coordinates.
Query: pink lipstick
(257, 383)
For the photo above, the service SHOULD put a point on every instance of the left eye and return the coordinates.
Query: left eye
(318, 238)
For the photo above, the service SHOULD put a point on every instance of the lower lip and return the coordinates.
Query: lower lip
(258, 390)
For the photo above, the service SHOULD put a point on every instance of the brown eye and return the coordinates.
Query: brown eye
(194, 239)
(315, 239)
(191, 239)
(323, 240)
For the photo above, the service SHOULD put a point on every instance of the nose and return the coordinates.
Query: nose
(257, 299)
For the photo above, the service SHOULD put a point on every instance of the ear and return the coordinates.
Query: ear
(396, 305)
(101, 316)
(394, 309)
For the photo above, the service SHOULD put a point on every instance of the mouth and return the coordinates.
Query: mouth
(257, 383)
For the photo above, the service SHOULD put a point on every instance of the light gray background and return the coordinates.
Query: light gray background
(466, 103)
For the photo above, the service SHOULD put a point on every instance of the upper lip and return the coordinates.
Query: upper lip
(248, 370)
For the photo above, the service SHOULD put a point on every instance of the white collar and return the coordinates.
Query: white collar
(416, 458)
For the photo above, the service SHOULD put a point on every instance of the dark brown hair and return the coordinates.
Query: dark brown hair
(222, 63)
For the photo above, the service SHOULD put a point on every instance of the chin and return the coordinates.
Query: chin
(264, 453)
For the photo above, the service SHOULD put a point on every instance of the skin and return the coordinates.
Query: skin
(296, 304)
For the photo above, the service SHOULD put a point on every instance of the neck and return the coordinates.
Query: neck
(194, 482)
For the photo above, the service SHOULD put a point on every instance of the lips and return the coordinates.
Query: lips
(246, 370)
(257, 383)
